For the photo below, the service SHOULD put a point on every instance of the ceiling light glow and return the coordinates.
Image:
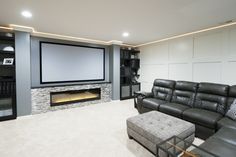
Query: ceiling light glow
(26, 14)
(125, 34)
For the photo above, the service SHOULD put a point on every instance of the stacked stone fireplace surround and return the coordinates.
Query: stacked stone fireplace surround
(41, 102)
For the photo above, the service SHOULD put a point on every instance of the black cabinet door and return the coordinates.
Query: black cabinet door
(127, 91)
(135, 88)
(7, 76)
(7, 107)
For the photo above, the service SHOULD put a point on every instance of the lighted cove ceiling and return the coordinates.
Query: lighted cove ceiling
(145, 20)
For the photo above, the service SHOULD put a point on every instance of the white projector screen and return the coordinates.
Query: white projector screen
(71, 63)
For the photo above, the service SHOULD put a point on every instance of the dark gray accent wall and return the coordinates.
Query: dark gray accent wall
(35, 61)
(115, 71)
(23, 82)
(28, 68)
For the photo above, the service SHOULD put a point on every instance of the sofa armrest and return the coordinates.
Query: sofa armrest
(143, 94)
(139, 96)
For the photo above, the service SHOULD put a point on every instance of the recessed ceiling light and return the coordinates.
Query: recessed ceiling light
(125, 34)
(26, 14)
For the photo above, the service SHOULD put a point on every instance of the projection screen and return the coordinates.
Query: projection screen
(71, 63)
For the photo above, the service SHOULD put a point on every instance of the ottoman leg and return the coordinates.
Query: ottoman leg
(130, 137)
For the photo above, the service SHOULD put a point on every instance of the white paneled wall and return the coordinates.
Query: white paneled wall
(204, 57)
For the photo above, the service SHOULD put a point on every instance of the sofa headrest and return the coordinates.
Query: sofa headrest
(186, 86)
(213, 88)
(164, 83)
(232, 91)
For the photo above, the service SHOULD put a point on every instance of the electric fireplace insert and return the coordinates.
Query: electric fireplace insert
(74, 96)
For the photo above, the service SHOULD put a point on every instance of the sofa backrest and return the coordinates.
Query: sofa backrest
(231, 96)
(184, 93)
(163, 89)
(211, 96)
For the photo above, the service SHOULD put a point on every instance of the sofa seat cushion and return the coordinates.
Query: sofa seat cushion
(227, 135)
(173, 109)
(152, 103)
(218, 147)
(226, 122)
(202, 117)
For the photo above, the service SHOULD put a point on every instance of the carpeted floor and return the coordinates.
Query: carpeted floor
(96, 130)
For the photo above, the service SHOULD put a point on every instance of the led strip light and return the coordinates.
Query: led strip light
(7, 28)
(51, 35)
(187, 34)
(65, 37)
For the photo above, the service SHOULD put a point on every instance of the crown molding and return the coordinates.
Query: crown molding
(22, 28)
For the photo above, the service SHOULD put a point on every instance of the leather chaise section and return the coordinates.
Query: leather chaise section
(222, 143)
(227, 135)
(219, 147)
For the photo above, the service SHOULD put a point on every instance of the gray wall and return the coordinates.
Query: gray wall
(23, 83)
(115, 71)
(35, 62)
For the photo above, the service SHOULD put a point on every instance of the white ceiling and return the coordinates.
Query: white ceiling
(145, 20)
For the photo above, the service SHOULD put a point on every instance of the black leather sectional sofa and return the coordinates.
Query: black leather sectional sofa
(204, 104)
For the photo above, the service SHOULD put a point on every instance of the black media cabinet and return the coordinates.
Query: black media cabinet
(129, 66)
(7, 76)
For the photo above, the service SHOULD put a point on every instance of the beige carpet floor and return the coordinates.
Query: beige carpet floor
(91, 131)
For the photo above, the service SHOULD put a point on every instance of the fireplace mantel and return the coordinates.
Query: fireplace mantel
(41, 97)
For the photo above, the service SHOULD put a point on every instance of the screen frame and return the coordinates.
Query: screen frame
(55, 43)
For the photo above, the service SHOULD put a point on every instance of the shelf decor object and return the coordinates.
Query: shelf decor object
(8, 61)
(8, 48)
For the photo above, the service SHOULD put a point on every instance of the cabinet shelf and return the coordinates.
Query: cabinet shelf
(7, 66)
(7, 52)
(8, 36)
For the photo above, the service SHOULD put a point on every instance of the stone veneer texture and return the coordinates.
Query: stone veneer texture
(40, 97)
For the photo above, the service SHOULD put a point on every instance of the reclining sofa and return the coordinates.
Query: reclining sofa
(204, 104)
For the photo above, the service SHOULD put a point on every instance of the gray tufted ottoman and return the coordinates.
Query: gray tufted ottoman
(153, 127)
